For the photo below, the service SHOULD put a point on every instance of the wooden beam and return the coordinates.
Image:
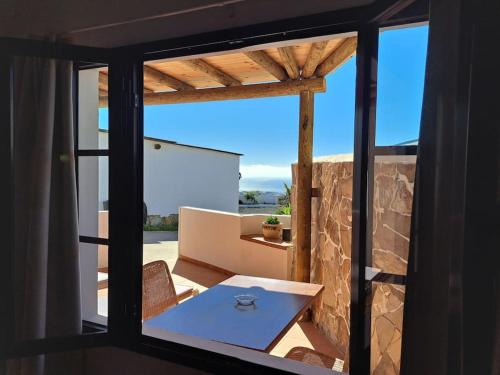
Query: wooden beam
(313, 58)
(304, 188)
(262, 90)
(211, 71)
(103, 84)
(162, 79)
(288, 60)
(103, 79)
(265, 61)
(339, 56)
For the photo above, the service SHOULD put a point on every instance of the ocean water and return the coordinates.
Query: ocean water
(264, 184)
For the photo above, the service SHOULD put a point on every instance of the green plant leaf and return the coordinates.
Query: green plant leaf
(272, 220)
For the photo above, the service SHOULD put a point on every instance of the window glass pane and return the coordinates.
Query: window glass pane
(401, 67)
(386, 328)
(392, 204)
(92, 110)
(93, 196)
(94, 282)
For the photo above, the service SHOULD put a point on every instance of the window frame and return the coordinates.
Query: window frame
(365, 153)
(93, 326)
(179, 48)
(125, 144)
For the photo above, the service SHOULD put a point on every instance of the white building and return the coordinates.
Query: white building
(177, 175)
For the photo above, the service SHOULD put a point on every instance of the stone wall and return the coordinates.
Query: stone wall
(331, 251)
(392, 205)
(387, 324)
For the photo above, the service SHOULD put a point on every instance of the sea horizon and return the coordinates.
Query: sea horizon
(271, 184)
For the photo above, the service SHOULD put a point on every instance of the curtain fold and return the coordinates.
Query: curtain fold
(46, 268)
(452, 305)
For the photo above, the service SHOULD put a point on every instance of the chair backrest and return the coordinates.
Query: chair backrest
(313, 357)
(158, 290)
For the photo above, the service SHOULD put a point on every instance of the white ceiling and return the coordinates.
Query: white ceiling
(109, 23)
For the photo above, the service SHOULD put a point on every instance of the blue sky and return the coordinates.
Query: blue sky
(265, 130)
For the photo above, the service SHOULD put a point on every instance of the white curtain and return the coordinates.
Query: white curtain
(47, 280)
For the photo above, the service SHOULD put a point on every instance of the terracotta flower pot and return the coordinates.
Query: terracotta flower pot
(272, 231)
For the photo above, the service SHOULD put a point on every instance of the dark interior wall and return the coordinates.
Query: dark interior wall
(112, 360)
(31, 18)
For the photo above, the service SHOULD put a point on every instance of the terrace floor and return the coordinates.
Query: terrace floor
(199, 277)
(189, 274)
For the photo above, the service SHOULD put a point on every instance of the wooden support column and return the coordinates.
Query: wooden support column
(304, 188)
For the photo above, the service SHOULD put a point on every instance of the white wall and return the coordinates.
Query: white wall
(176, 176)
(213, 237)
(103, 172)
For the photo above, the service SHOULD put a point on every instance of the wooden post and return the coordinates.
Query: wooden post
(304, 187)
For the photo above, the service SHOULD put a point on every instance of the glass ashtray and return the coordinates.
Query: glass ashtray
(245, 299)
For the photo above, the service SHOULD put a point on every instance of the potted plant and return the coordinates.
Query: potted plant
(272, 228)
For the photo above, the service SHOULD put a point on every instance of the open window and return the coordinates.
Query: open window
(310, 272)
(400, 85)
(212, 245)
(212, 123)
(391, 131)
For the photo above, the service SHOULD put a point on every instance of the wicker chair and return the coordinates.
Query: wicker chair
(158, 289)
(311, 357)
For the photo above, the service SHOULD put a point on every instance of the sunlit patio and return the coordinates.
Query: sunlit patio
(199, 277)
(186, 273)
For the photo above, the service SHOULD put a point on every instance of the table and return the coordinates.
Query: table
(214, 315)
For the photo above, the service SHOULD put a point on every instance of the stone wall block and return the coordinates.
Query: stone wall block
(408, 170)
(389, 262)
(388, 169)
(345, 211)
(403, 196)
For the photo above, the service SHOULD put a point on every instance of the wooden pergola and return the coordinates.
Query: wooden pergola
(297, 69)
